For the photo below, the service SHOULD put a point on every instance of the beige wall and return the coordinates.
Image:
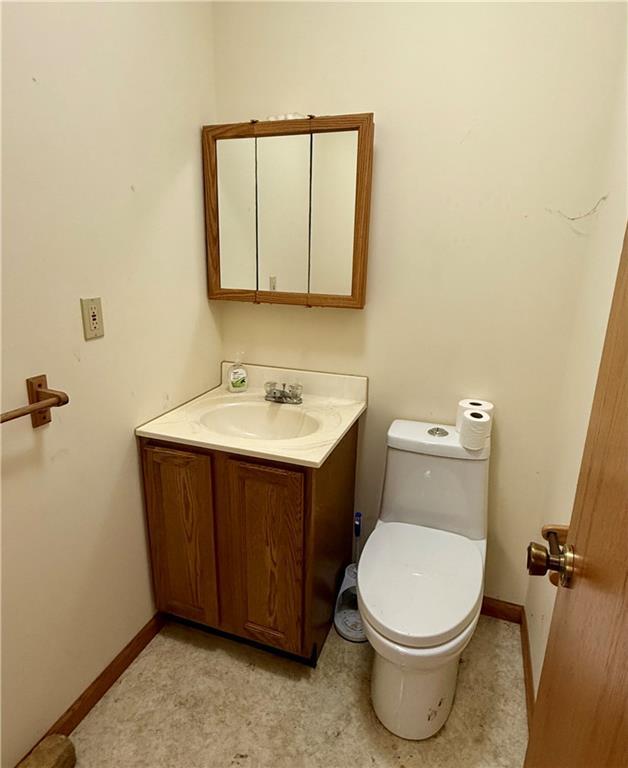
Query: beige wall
(102, 196)
(489, 120)
(603, 236)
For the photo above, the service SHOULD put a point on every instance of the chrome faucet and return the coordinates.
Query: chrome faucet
(288, 393)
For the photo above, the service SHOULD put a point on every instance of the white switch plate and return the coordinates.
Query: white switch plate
(93, 326)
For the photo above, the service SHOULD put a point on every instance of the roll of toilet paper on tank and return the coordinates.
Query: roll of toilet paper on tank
(476, 405)
(475, 429)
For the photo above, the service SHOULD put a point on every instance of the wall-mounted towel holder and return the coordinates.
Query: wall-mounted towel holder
(41, 399)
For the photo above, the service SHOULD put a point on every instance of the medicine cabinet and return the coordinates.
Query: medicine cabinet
(287, 210)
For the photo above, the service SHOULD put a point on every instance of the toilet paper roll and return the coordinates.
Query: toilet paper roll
(474, 404)
(475, 429)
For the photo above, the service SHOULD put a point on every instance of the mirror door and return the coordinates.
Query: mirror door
(237, 206)
(334, 167)
(283, 201)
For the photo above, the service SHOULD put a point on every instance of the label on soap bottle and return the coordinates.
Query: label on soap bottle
(237, 379)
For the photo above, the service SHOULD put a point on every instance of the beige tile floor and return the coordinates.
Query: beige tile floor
(192, 700)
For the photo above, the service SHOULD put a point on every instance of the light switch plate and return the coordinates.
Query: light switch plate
(91, 310)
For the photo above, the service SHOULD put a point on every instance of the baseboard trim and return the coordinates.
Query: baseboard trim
(500, 609)
(527, 666)
(515, 613)
(99, 687)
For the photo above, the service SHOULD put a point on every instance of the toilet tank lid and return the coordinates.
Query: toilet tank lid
(415, 436)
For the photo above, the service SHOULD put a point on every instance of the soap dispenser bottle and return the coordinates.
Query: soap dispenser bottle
(237, 376)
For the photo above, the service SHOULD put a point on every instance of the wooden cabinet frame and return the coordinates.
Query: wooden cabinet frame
(363, 124)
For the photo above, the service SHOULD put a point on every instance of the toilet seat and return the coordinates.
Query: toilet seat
(418, 586)
(420, 658)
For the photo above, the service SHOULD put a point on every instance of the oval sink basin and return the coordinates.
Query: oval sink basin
(260, 421)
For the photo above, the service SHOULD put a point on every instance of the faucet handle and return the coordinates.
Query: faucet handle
(295, 390)
(269, 386)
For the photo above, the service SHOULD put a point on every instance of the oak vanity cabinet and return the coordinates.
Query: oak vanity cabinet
(250, 547)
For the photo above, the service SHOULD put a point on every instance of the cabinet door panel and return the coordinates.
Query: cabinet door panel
(268, 504)
(236, 203)
(283, 210)
(333, 181)
(181, 526)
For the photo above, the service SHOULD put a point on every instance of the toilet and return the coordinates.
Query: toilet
(421, 574)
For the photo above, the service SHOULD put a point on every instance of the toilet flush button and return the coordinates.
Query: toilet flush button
(437, 432)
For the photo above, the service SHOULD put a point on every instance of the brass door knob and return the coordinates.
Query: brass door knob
(538, 559)
(560, 558)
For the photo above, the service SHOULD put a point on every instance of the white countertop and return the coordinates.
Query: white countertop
(334, 401)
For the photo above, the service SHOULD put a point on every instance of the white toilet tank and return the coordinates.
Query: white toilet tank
(432, 480)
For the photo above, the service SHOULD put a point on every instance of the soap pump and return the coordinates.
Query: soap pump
(237, 376)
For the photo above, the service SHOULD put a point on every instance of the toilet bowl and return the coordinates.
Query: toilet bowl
(419, 595)
(413, 689)
(419, 586)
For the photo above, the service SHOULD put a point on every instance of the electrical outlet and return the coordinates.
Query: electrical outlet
(93, 326)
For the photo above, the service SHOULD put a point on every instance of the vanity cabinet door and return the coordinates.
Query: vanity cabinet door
(180, 513)
(267, 517)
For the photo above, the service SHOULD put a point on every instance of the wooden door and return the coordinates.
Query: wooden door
(267, 517)
(179, 506)
(581, 714)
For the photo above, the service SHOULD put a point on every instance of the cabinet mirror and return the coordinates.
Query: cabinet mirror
(287, 210)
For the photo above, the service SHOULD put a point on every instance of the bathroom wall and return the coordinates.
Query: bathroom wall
(102, 196)
(603, 235)
(491, 131)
